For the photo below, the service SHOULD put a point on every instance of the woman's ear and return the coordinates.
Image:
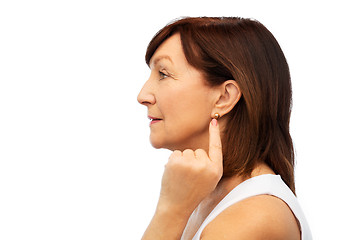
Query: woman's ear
(229, 95)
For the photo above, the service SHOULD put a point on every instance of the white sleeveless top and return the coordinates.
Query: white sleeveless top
(261, 185)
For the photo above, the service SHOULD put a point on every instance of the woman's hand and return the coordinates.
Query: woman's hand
(191, 175)
(188, 178)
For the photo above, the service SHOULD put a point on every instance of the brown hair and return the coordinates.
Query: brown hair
(245, 51)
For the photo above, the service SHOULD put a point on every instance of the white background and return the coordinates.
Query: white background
(75, 157)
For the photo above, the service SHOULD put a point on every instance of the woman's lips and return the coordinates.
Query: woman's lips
(153, 120)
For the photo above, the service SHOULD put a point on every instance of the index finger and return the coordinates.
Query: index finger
(215, 146)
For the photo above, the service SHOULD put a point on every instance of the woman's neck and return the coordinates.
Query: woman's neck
(227, 184)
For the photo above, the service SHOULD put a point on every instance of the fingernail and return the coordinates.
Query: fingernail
(214, 122)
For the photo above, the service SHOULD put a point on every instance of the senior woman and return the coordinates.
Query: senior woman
(219, 96)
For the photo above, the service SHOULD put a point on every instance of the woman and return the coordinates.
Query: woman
(219, 97)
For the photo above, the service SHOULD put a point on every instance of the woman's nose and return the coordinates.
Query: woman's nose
(146, 95)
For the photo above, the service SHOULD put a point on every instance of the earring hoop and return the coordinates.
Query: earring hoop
(216, 116)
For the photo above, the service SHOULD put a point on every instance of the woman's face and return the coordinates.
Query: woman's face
(178, 100)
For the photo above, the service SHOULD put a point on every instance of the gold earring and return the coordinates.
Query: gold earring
(216, 116)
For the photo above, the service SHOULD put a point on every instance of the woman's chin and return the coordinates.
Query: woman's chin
(156, 146)
(156, 143)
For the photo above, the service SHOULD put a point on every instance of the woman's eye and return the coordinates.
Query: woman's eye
(162, 75)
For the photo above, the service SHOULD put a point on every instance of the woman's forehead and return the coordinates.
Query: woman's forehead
(171, 49)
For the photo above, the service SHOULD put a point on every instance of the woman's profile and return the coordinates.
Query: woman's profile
(219, 97)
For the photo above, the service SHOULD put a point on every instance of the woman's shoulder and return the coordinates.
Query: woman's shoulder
(258, 217)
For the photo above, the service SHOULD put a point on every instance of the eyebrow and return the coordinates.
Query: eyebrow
(159, 58)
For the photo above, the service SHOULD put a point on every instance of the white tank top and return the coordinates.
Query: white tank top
(263, 184)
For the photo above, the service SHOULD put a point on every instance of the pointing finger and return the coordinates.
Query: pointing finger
(215, 146)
